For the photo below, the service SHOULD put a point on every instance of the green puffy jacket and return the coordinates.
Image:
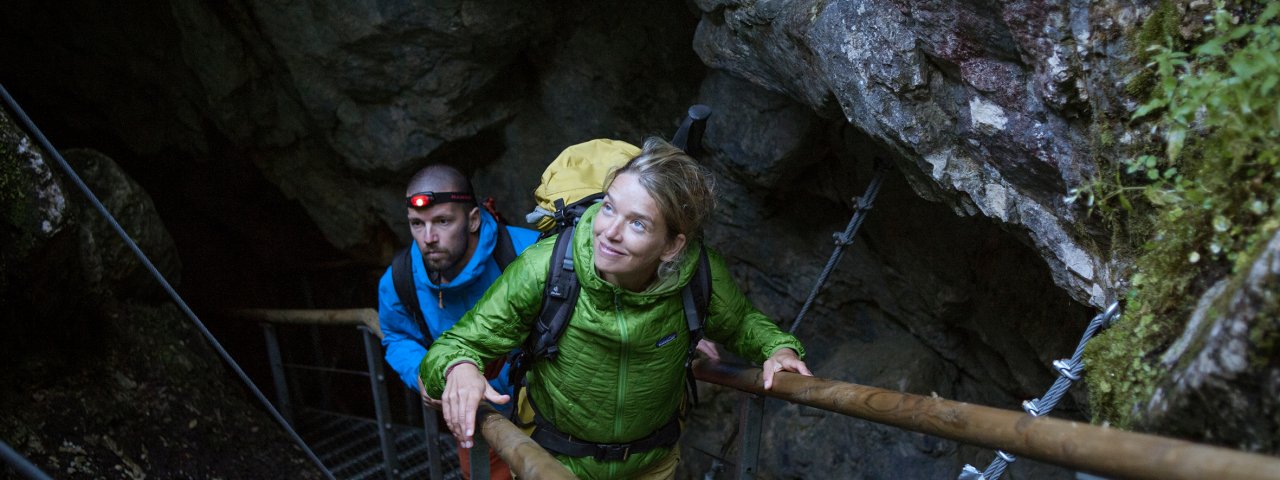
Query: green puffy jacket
(614, 380)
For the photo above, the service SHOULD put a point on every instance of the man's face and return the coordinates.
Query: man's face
(442, 233)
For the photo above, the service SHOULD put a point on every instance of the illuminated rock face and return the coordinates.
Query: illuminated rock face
(969, 277)
(990, 102)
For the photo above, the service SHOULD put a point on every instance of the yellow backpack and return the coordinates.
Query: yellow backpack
(575, 180)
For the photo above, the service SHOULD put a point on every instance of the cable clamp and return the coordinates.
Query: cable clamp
(1110, 315)
(1067, 369)
(1032, 407)
(970, 473)
(862, 203)
(841, 240)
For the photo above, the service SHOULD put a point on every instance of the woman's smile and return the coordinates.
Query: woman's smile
(610, 251)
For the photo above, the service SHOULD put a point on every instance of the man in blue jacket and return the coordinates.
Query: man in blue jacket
(453, 263)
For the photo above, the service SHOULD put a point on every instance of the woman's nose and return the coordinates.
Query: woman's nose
(614, 229)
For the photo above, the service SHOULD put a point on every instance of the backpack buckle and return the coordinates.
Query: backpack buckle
(612, 452)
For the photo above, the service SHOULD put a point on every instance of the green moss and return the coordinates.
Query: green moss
(1119, 381)
(1208, 191)
(13, 184)
(1265, 333)
(1161, 28)
(18, 211)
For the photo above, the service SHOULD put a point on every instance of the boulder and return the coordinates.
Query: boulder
(108, 260)
(1224, 384)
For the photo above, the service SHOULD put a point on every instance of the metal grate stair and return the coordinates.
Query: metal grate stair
(349, 446)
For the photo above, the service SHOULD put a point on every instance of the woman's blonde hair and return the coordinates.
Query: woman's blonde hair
(683, 190)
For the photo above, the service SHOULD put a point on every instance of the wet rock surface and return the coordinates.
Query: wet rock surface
(274, 136)
(1226, 372)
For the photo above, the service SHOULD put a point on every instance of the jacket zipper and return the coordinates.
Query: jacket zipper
(622, 374)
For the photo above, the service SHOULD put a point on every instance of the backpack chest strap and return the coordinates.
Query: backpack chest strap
(556, 441)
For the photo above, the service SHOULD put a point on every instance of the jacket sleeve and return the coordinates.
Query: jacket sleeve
(498, 323)
(403, 350)
(736, 324)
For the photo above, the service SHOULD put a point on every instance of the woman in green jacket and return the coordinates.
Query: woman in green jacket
(616, 385)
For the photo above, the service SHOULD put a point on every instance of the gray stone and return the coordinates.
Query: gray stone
(34, 203)
(981, 97)
(1225, 372)
(955, 284)
(108, 260)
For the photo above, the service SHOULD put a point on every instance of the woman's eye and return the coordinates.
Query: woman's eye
(637, 225)
(606, 207)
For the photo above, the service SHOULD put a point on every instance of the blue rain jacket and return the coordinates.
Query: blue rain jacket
(402, 338)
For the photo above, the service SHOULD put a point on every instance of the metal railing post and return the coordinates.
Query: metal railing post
(381, 405)
(751, 416)
(432, 425)
(277, 373)
(326, 381)
(479, 458)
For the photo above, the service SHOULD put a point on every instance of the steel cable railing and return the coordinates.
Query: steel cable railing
(20, 463)
(146, 262)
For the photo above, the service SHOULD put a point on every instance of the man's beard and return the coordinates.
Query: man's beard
(449, 261)
(450, 264)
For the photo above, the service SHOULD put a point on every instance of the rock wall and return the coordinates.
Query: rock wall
(988, 106)
(82, 333)
(1225, 378)
(275, 134)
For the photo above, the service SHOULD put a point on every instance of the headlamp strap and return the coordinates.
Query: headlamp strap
(426, 199)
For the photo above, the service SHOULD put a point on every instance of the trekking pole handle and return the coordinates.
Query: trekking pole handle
(689, 135)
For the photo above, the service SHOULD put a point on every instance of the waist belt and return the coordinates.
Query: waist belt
(559, 442)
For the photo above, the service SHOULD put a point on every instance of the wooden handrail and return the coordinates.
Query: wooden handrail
(1098, 450)
(352, 316)
(526, 458)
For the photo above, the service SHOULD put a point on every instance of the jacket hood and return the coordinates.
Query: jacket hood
(584, 259)
(475, 266)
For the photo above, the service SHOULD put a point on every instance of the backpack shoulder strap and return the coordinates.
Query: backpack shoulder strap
(504, 252)
(402, 279)
(700, 289)
(560, 295)
(696, 296)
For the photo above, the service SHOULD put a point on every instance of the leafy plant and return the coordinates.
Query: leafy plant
(1209, 187)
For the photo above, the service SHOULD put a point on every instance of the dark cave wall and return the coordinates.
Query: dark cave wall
(274, 136)
(924, 301)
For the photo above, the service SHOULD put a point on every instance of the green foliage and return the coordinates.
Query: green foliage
(1209, 189)
(1160, 28)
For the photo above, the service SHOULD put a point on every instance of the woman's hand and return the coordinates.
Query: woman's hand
(783, 359)
(426, 399)
(708, 348)
(464, 388)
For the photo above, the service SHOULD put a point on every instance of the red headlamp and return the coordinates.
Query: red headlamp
(427, 199)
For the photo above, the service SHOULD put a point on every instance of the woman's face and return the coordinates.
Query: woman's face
(629, 235)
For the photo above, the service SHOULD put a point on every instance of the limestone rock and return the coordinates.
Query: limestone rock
(107, 259)
(982, 101)
(1225, 385)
